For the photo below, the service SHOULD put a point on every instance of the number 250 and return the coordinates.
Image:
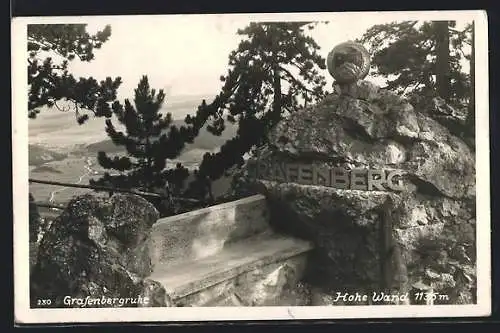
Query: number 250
(44, 302)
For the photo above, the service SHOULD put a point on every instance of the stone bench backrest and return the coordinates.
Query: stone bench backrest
(204, 232)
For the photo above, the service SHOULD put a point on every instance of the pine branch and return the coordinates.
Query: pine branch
(294, 80)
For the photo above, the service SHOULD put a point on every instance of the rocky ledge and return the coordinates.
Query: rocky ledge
(370, 179)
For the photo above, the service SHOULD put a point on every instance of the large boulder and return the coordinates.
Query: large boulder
(382, 130)
(314, 172)
(98, 248)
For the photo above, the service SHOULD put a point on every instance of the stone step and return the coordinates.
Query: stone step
(206, 231)
(241, 273)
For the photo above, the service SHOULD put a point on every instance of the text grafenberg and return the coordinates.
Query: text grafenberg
(340, 178)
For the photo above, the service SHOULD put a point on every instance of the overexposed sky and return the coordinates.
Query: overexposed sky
(186, 54)
(183, 54)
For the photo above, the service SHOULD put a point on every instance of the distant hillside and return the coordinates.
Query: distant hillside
(45, 168)
(204, 141)
(56, 129)
(38, 155)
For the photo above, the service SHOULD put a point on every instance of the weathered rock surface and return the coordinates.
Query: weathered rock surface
(343, 225)
(98, 248)
(374, 129)
(34, 220)
(453, 119)
(382, 131)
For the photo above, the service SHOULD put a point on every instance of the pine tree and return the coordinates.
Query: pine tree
(50, 82)
(421, 59)
(273, 72)
(150, 140)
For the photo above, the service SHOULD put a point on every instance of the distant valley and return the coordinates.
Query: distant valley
(204, 141)
(61, 150)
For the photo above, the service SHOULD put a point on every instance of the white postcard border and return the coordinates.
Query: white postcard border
(23, 313)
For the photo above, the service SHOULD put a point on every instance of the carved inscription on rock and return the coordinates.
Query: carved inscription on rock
(313, 174)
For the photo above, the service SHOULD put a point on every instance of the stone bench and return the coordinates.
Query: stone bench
(225, 255)
(206, 231)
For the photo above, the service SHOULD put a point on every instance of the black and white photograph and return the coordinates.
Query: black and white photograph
(251, 166)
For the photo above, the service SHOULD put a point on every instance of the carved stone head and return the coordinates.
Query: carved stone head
(348, 62)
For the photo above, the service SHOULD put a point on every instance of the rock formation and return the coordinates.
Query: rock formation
(97, 248)
(327, 172)
(34, 220)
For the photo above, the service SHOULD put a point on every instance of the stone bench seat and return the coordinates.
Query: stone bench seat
(226, 254)
(238, 269)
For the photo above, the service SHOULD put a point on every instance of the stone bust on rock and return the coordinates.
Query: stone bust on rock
(348, 63)
(365, 131)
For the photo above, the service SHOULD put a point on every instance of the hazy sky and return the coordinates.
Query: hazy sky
(186, 54)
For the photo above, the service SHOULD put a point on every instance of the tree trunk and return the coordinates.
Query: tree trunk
(149, 181)
(277, 93)
(442, 60)
(276, 83)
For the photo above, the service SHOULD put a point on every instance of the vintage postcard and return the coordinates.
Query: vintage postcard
(172, 168)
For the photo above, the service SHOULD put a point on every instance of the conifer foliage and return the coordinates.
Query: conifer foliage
(150, 140)
(425, 59)
(50, 49)
(275, 70)
(422, 58)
